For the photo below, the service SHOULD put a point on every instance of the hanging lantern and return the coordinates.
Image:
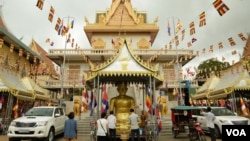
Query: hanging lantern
(34, 59)
(11, 47)
(28, 56)
(20, 52)
(1, 43)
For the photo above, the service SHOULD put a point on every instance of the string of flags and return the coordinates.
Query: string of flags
(61, 28)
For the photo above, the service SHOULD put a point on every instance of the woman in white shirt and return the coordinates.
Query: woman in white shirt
(102, 128)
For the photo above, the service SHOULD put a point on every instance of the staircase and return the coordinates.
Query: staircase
(166, 126)
(84, 127)
(84, 124)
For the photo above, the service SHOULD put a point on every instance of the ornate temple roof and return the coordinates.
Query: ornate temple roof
(119, 18)
(125, 66)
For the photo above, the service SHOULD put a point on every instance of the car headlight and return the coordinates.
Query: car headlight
(225, 122)
(13, 123)
(41, 123)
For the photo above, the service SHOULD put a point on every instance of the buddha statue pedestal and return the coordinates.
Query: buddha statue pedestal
(124, 136)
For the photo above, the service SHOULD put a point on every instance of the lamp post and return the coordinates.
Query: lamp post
(178, 64)
(63, 65)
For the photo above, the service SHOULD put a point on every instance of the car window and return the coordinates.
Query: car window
(222, 112)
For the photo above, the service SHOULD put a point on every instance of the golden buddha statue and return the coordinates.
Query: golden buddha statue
(162, 103)
(121, 106)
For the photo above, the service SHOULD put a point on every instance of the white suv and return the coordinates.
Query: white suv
(38, 123)
(223, 116)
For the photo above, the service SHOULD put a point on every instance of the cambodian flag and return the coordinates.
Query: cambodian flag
(105, 102)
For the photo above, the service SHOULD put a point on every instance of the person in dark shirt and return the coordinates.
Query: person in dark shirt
(70, 128)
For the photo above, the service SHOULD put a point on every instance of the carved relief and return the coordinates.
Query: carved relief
(143, 44)
(98, 43)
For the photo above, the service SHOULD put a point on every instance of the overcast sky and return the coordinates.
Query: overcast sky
(26, 21)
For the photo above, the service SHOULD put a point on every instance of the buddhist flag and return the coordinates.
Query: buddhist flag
(192, 28)
(242, 37)
(105, 102)
(178, 27)
(221, 7)
(231, 41)
(71, 24)
(51, 14)
(202, 19)
(176, 40)
(148, 100)
(39, 4)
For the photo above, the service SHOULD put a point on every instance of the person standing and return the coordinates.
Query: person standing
(112, 124)
(210, 122)
(70, 128)
(102, 128)
(134, 119)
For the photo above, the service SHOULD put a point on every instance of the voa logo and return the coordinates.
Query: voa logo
(236, 132)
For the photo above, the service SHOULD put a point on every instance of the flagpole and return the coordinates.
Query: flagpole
(63, 65)
(178, 65)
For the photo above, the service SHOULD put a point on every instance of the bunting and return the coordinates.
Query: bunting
(183, 34)
(192, 28)
(58, 23)
(211, 49)
(220, 45)
(51, 14)
(39, 4)
(242, 37)
(231, 41)
(105, 103)
(234, 52)
(202, 19)
(221, 7)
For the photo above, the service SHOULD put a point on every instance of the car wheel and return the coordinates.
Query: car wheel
(51, 135)
(217, 132)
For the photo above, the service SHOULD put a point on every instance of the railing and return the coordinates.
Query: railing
(113, 51)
